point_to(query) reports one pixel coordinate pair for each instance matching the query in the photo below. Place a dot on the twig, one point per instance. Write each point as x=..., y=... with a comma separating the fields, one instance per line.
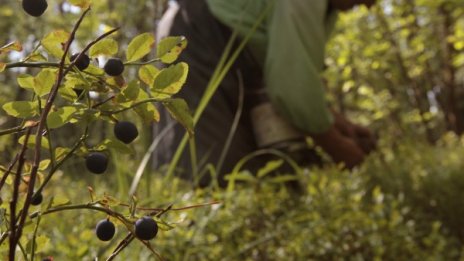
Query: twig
x=42, y=124
x=8, y=171
x=14, y=201
x=60, y=163
x=123, y=244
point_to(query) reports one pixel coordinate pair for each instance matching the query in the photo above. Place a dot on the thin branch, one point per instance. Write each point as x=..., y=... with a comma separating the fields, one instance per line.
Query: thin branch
x=14, y=201
x=123, y=244
x=60, y=163
x=32, y=65
x=42, y=124
x=8, y=171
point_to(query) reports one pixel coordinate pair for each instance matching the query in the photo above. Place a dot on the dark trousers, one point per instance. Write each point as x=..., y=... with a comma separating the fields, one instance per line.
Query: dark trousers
x=207, y=38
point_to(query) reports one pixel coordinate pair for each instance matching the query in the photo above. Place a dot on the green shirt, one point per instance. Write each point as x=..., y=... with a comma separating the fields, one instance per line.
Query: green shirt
x=291, y=47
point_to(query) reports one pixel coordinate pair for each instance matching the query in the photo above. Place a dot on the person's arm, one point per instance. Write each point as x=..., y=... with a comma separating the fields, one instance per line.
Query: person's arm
x=295, y=57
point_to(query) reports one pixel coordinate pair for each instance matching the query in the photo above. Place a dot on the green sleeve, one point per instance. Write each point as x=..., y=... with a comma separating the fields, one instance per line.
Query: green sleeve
x=297, y=34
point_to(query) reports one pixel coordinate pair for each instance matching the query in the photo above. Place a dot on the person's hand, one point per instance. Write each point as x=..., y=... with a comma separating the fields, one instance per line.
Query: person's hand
x=340, y=147
x=361, y=135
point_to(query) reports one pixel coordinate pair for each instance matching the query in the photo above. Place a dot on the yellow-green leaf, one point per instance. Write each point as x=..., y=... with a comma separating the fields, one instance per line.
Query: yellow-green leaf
x=148, y=73
x=140, y=46
x=54, y=41
x=170, y=80
x=147, y=111
x=104, y=47
x=43, y=82
x=179, y=110
x=21, y=109
x=60, y=117
x=2, y=66
x=169, y=48
x=26, y=81
x=31, y=142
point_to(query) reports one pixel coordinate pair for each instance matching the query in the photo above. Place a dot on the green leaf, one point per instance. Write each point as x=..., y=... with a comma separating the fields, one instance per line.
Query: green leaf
x=60, y=117
x=26, y=81
x=2, y=66
x=169, y=48
x=54, y=41
x=140, y=46
x=31, y=141
x=107, y=47
x=67, y=93
x=131, y=91
x=270, y=166
x=179, y=110
x=21, y=109
x=60, y=153
x=170, y=80
x=116, y=145
x=43, y=82
x=43, y=165
x=148, y=73
x=147, y=111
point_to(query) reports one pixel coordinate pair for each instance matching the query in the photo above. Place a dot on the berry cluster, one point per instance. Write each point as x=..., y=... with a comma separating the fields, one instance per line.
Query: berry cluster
x=145, y=228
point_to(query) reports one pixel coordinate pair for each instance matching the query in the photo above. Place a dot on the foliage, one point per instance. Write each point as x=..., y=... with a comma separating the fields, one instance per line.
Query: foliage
x=70, y=90
x=399, y=67
x=386, y=68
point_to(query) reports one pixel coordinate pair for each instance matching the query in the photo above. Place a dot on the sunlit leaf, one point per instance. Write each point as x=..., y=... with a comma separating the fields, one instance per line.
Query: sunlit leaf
x=169, y=48
x=104, y=47
x=54, y=41
x=170, y=80
x=148, y=73
x=140, y=46
x=60, y=117
x=31, y=142
x=116, y=145
x=21, y=109
x=26, y=81
x=43, y=82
